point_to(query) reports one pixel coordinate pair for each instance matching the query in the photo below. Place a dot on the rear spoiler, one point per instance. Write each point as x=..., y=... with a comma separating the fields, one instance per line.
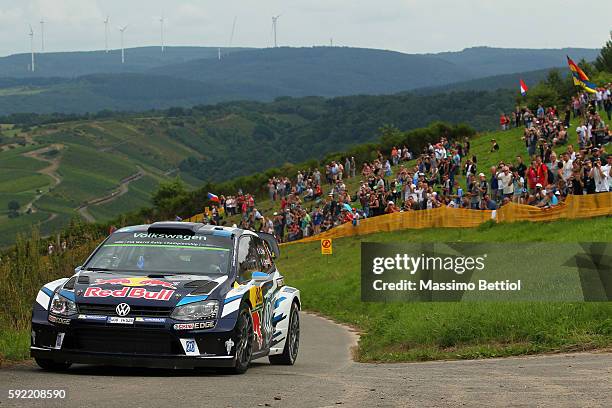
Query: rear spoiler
x=272, y=243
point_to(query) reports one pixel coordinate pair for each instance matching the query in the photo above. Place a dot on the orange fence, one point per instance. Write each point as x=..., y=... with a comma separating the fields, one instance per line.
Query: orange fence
x=584, y=206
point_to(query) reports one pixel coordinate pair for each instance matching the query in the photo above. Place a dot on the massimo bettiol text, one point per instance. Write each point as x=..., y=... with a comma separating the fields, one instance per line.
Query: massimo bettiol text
x=485, y=272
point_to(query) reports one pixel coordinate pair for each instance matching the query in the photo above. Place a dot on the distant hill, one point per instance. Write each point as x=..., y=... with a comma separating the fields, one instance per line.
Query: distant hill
x=320, y=71
x=77, y=63
x=185, y=76
x=488, y=61
x=506, y=81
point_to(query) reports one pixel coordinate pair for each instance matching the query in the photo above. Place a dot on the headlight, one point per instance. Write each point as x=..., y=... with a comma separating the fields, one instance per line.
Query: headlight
x=62, y=306
x=196, y=311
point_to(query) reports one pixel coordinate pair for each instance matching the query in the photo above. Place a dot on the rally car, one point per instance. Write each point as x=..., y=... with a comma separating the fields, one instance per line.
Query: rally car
x=170, y=295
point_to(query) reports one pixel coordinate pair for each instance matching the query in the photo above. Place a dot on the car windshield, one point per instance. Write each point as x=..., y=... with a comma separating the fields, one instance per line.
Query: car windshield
x=166, y=254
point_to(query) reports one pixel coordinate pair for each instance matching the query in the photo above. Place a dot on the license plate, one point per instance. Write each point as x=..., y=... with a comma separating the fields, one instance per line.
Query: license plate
x=121, y=320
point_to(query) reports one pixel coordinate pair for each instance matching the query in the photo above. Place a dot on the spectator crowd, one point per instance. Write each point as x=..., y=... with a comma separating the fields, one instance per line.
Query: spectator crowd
x=553, y=166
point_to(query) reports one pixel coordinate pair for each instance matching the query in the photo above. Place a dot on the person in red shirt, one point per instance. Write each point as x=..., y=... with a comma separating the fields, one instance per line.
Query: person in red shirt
x=532, y=177
x=346, y=216
x=542, y=171
x=502, y=121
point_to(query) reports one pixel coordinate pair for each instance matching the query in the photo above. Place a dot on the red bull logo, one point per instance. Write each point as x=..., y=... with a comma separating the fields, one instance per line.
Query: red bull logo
x=127, y=292
x=138, y=281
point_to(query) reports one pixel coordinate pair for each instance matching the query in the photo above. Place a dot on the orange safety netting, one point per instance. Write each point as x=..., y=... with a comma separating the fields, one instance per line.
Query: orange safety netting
x=584, y=206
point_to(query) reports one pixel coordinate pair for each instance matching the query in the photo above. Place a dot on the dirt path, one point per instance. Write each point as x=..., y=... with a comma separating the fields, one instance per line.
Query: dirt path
x=50, y=170
x=113, y=195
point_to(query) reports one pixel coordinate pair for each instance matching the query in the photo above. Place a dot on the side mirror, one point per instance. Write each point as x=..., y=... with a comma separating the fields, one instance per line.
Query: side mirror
x=78, y=269
x=259, y=276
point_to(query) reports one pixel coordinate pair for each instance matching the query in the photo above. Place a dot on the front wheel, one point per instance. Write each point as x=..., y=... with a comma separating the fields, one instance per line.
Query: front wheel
x=292, y=343
x=51, y=365
x=244, y=340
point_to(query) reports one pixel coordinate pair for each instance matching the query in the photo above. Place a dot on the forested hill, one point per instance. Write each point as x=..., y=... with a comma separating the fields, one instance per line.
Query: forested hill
x=186, y=76
x=106, y=164
x=78, y=63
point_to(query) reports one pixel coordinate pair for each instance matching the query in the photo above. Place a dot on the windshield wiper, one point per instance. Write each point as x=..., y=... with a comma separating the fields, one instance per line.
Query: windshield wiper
x=98, y=270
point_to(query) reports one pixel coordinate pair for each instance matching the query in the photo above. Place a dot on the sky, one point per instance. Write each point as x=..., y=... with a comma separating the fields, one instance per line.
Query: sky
x=411, y=26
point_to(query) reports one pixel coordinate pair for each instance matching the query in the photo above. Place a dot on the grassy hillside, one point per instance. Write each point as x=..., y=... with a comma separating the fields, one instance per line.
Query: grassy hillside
x=58, y=168
x=427, y=331
x=510, y=142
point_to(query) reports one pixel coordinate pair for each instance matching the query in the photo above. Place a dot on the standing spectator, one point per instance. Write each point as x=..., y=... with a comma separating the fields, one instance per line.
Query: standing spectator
x=505, y=180
x=520, y=166
x=601, y=175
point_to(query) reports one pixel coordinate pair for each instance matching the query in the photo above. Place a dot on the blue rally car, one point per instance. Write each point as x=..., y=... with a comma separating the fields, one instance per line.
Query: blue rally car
x=170, y=295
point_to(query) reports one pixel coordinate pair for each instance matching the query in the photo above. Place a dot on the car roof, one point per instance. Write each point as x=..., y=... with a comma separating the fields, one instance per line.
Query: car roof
x=187, y=228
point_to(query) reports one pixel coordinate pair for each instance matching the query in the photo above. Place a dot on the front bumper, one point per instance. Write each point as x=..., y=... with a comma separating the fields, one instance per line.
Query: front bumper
x=130, y=360
x=156, y=345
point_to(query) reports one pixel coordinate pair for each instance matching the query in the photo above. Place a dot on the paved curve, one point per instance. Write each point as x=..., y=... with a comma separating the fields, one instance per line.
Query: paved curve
x=324, y=375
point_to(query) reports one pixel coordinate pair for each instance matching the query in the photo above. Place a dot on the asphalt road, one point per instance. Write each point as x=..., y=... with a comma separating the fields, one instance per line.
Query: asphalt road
x=324, y=375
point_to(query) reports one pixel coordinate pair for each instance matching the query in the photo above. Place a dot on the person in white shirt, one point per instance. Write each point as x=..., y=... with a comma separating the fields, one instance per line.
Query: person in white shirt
x=505, y=184
x=607, y=170
x=581, y=131
x=568, y=166
x=601, y=175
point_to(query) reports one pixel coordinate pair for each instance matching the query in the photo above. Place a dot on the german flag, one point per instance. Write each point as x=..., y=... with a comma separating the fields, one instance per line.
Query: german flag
x=580, y=78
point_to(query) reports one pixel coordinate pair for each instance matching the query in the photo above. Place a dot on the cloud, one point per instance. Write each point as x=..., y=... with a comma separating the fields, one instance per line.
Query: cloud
x=403, y=25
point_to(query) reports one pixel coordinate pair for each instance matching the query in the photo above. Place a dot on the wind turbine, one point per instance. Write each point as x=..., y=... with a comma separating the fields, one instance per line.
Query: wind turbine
x=106, y=33
x=42, y=35
x=122, y=30
x=161, y=28
x=274, y=22
x=233, y=31
x=32, y=66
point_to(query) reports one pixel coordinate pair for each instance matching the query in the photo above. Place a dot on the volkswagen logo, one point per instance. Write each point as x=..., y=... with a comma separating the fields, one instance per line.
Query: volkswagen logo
x=122, y=309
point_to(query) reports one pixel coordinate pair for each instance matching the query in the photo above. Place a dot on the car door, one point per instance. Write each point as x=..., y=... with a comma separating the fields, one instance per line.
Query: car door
x=266, y=283
x=252, y=272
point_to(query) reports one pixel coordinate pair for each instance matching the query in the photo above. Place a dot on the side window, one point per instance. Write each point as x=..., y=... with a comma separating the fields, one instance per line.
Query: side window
x=265, y=257
x=248, y=259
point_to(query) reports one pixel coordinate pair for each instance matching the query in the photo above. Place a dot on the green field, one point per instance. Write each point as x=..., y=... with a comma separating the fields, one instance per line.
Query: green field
x=95, y=156
x=138, y=197
x=427, y=331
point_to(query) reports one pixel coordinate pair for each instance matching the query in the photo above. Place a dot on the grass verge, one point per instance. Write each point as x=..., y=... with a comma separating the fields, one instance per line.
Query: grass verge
x=429, y=331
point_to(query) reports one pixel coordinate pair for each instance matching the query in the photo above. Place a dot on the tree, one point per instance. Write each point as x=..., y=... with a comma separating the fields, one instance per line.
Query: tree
x=13, y=207
x=587, y=67
x=604, y=60
x=169, y=197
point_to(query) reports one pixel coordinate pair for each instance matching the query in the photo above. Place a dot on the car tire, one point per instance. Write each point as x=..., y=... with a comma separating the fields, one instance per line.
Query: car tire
x=51, y=365
x=244, y=340
x=292, y=344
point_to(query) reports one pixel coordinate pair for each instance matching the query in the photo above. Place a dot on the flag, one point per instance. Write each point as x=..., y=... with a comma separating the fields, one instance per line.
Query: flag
x=213, y=197
x=523, y=87
x=580, y=78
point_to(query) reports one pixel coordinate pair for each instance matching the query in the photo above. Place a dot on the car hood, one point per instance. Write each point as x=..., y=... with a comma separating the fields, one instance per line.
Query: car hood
x=145, y=290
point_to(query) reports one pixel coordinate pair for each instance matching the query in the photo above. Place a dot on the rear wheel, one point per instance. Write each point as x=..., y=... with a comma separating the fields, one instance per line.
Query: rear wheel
x=244, y=340
x=51, y=365
x=292, y=343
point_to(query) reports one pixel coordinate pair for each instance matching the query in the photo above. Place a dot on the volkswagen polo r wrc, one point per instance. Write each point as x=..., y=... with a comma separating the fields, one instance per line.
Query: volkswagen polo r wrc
x=170, y=295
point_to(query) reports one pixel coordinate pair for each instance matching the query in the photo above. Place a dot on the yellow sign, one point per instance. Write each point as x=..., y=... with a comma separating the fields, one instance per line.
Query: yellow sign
x=326, y=246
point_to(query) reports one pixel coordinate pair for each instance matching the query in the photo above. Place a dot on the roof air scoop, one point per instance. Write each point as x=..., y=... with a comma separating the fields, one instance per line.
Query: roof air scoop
x=174, y=228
